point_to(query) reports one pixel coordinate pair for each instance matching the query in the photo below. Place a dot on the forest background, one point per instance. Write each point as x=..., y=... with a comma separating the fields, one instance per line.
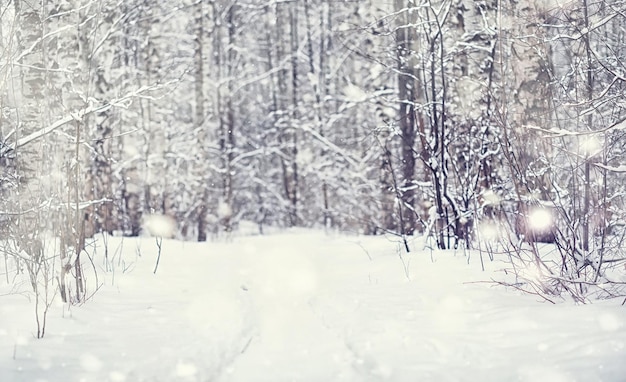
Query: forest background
x=450, y=118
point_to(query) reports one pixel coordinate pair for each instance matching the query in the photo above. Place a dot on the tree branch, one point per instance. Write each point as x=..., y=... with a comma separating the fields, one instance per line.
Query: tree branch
x=78, y=116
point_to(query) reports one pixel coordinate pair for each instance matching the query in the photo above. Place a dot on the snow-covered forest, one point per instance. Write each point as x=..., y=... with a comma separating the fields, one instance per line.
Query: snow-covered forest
x=365, y=116
x=453, y=119
x=493, y=130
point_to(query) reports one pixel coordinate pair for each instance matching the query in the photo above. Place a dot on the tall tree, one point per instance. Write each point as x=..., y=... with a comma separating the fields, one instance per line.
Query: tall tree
x=407, y=88
x=200, y=114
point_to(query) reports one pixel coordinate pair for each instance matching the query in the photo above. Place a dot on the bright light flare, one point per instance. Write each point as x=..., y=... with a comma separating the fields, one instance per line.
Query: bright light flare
x=540, y=220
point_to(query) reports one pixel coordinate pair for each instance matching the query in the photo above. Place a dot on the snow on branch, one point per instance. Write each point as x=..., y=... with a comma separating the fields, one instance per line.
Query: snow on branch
x=586, y=30
x=558, y=133
x=78, y=115
x=47, y=130
x=338, y=150
x=620, y=168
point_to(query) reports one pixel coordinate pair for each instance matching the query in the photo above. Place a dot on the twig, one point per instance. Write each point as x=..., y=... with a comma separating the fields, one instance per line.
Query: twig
x=405, y=265
x=245, y=347
x=159, y=241
x=364, y=250
x=517, y=287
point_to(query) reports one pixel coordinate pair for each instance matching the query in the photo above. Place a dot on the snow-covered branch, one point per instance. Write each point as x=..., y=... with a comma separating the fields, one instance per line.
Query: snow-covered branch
x=75, y=116
x=78, y=115
x=559, y=133
x=585, y=31
x=620, y=168
x=333, y=147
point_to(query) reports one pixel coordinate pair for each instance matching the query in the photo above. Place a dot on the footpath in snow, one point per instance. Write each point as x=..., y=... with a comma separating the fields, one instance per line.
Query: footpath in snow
x=307, y=306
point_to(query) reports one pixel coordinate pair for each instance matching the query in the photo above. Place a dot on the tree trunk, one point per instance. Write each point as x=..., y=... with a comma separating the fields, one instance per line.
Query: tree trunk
x=292, y=138
x=406, y=93
x=199, y=114
x=228, y=147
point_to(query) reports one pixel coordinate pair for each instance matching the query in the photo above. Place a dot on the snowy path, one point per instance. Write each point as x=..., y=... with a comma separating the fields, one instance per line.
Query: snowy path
x=310, y=307
x=290, y=342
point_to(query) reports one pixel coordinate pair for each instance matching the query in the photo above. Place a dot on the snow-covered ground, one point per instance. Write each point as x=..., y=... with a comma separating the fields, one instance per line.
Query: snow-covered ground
x=307, y=306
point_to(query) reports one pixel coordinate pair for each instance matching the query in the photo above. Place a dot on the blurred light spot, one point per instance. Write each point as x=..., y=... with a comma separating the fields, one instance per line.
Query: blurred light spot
x=185, y=369
x=160, y=225
x=540, y=219
x=116, y=376
x=89, y=362
x=590, y=145
x=488, y=231
x=609, y=322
